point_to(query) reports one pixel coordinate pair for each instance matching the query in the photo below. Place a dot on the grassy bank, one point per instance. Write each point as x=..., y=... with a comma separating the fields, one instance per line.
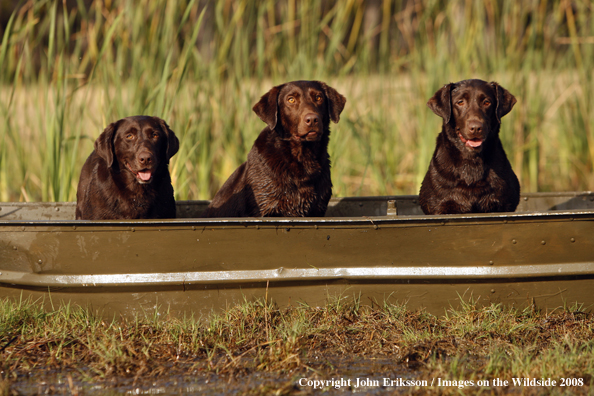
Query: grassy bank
x=470, y=344
x=65, y=73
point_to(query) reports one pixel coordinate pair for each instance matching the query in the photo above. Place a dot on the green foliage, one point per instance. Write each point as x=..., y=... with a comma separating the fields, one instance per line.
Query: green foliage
x=66, y=73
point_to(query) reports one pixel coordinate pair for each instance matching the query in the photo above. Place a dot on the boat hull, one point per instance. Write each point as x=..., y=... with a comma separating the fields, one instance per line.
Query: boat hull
x=372, y=250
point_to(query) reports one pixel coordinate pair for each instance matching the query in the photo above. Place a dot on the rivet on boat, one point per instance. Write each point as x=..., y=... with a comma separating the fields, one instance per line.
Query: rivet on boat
x=193, y=228
x=491, y=262
x=375, y=227
x=572, y=239
x=14, y=248
x=514, y=241
x=525, y=198
x=316, y=226
x=40, y=262
x=492, y=290
x=287, y=229
x=543, y=242
x=443, y=223
x=132, y=229
x=57, y=209
x=328, y=238
x=74, y=227
x=23, y=228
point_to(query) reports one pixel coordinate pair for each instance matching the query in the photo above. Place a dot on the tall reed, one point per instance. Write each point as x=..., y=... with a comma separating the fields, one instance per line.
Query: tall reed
x=67, y=72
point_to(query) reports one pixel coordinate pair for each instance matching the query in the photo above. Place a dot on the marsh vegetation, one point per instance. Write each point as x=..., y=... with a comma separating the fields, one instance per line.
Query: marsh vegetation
x=66, y=72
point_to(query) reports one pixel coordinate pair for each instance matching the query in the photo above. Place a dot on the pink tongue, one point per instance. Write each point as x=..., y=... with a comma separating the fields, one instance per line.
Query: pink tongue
x=144, y=176
x=474, y=143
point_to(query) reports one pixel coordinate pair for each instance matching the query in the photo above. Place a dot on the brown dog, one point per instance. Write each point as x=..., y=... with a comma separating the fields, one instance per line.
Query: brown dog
x=127, y=175
x=469, y=171
x=287, y=172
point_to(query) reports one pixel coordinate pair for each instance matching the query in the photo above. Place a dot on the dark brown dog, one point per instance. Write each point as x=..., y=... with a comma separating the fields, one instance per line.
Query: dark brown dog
x=469, y=171
x=127, y=175
x=287, y=172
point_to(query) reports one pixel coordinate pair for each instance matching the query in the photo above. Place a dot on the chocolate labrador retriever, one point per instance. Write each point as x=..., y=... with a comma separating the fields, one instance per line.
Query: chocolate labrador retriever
x=469, y=171
x=287, y=172
x=127, y=175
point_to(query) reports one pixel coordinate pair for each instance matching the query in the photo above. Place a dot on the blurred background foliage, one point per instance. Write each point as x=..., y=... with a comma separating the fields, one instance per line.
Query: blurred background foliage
x=69, y=68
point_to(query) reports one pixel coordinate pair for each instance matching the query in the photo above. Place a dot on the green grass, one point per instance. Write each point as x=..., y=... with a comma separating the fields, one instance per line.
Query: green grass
x=469, y=343
x=65, y=74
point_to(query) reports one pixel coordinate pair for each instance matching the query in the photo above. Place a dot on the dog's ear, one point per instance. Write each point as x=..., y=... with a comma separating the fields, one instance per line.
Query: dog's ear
x=336, y=101
x=441, y=102
x=172, y=140
x=267, y=107
x=505, y=101
x=104, y=143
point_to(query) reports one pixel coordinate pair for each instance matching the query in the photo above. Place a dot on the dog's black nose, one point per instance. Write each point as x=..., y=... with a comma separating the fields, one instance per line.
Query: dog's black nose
x=311, y=119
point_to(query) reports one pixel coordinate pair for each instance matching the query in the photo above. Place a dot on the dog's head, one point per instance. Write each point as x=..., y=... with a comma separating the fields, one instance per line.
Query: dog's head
x=139, y=145
x=472, y=109
x=300, y=110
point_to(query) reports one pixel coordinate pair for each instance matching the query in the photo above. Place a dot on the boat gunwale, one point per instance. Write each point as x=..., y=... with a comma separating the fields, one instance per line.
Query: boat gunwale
x=569, y=214
x=388, y=218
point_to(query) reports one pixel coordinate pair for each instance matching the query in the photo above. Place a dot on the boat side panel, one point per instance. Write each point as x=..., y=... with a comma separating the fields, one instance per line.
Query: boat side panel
x=184, y=248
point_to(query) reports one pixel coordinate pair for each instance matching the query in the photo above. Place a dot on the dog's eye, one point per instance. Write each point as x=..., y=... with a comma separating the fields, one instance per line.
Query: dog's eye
x=155, y=135
x=318, y=98
x=291, y=99
x=487, y=103
x=460, y=103
x=130, y=136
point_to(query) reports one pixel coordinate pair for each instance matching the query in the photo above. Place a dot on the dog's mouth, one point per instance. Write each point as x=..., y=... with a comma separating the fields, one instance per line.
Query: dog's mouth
x=143, y=176
x=312, y=135
x=472, y=143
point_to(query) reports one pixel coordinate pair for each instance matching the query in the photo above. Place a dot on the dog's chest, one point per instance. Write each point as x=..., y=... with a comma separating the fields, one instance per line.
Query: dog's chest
x=139, y=205
x=289, y=197
x=486, y=195
x=138, y=201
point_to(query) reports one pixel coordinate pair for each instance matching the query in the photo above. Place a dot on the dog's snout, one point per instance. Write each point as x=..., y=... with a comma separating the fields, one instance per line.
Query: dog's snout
x=312, y=119
x=145, y=158
x=475, y=127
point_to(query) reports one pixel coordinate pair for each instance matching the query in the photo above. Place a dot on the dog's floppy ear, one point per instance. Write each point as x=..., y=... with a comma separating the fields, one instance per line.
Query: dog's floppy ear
x=336, y=102
x=505, y=101
x=267, y=107
x=104, y=143
x=441, y=102
x=172, y=140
